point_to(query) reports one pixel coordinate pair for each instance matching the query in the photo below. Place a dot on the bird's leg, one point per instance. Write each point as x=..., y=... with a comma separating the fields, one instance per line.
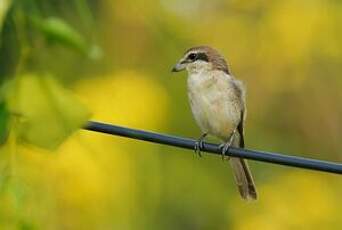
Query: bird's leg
x=199, y=144
x=225, y=146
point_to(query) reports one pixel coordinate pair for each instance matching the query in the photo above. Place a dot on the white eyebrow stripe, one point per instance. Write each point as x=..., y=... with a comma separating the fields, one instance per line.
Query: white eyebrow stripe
x=194, y=51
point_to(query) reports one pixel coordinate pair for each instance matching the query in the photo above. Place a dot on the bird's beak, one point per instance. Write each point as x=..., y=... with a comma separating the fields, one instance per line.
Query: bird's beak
x=179, y=67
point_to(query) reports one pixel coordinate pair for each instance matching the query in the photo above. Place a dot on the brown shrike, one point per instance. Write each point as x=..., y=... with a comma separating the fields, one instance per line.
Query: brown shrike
x=217, y=102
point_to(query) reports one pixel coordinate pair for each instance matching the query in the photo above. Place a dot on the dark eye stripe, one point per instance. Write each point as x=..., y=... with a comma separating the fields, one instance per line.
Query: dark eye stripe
x=192, y=56
x=197, y=56
x=202, y=56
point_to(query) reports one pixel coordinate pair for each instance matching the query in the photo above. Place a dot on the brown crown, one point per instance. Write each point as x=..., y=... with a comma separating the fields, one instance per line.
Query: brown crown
x=214, y=57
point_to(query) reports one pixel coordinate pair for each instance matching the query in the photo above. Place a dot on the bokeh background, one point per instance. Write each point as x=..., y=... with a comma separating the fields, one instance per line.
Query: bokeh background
x=63, y=62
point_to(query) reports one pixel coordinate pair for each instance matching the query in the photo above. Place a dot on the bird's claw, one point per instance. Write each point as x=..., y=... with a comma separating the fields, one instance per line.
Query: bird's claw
x=225, y=146
x=199, y=145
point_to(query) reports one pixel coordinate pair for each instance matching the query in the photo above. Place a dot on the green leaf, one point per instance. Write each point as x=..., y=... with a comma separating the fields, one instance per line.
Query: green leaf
x=4, y=120
x=10, y=50
x=4, y=6
x=58, y=31
x=47, y=113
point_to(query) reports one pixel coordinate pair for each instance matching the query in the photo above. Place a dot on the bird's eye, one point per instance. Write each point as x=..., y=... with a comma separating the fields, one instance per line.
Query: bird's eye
x=192, y=56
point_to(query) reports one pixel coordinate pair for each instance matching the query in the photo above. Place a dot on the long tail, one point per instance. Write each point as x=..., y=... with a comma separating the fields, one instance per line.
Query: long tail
x=243, y=178
x=242, y=174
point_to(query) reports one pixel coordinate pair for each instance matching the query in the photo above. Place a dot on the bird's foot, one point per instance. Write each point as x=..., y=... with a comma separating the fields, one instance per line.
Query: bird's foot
x=225, y=146
x=199, y=144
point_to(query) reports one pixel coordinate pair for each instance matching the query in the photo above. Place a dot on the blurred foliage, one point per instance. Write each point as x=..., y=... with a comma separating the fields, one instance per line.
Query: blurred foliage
x=4, y=118
x=4, y=5
x=34, y=101
x=56, y=30
x=288, y=53
x=39, y=102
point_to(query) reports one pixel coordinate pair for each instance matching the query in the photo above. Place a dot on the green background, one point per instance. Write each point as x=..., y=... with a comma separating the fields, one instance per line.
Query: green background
x=114, y=58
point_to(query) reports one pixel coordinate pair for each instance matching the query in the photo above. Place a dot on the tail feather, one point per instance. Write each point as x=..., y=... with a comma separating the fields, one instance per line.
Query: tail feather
x=242, y=174
x=243, y=178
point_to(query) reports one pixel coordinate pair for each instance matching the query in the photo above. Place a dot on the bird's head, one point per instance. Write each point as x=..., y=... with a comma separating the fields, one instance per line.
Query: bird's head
x=201, y=58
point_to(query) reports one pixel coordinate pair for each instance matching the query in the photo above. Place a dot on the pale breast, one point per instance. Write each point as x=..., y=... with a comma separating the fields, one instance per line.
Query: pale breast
x=214, y=103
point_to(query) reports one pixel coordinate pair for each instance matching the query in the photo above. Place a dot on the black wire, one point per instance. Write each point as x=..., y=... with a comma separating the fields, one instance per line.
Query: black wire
x=187, y=143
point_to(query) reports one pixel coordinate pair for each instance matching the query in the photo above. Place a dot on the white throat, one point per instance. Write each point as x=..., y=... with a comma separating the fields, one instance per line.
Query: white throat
x=199, y=67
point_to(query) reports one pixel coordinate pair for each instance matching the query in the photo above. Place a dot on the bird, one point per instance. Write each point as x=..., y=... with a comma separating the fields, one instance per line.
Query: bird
x=218, y=104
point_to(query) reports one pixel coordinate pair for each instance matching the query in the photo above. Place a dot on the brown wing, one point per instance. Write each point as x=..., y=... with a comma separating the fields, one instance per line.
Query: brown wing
x=240, y=129
x=239, y=90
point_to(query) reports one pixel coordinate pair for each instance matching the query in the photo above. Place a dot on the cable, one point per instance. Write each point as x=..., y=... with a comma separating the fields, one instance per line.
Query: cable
x=274, y=158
